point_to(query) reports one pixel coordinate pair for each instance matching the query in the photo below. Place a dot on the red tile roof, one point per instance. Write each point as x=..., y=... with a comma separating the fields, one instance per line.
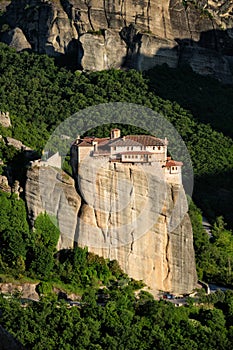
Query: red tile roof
x=123, y=142
x=85, y=143
x=129, y=140
x=170, y=163
x=146, y=140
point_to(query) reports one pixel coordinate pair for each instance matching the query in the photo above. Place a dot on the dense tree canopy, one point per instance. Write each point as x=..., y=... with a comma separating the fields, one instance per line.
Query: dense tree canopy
x=122, y=322
x=39, y=95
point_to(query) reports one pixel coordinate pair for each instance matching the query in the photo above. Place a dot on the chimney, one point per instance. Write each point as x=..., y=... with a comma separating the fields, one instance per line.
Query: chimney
x=115, y=133
x=95, y=144
x=77, y=139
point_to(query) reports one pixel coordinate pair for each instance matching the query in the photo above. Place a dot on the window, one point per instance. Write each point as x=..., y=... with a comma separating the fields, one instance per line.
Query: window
x=154, y=148
x=127, y=148
x=114, y=148
x=173, y=168
x=150, y=157
x=136, y=156
x=132, y=156
x=159, y=148
x=131, y=148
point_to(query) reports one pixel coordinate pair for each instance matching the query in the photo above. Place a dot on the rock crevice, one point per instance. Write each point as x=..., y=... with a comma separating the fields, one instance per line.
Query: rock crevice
x=201, y=31
x=146, y=229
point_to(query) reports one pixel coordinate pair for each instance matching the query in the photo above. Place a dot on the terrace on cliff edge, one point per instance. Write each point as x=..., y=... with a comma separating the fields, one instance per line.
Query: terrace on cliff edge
x=131, y=149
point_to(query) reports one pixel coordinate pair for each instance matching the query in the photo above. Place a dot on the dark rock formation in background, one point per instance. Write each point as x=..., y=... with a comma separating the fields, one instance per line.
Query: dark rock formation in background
x=136, y=33
x=16, y=39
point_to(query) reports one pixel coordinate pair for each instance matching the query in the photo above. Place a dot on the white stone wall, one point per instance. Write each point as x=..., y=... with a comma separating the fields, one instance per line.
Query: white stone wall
x=161, y=151
x=53, y=161
x=83, y=152
x=135, y=158
x=174, y=175
x=120, y=149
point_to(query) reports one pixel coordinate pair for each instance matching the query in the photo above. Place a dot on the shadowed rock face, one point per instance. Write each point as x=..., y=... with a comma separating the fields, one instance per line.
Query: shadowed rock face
x=8, y=342
x=16, y=39
x=124, y=213
x=136, y=33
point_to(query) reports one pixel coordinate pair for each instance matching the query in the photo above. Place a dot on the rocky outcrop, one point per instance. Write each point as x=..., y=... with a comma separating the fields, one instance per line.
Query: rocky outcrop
x=45, y=25
x=10, y=141
x=124, y=213
x=4, y=185
x=130, y=214
x=101, y=51
x=4, y=4
x=51, y=190
x=26, y=290
x=15, y=38
x=100, y=36
x=5, y=120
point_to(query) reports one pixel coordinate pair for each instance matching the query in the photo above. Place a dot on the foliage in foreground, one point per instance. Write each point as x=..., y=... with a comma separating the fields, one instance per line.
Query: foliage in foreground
x=214, y=255
x=32, y=253
x=121, y=322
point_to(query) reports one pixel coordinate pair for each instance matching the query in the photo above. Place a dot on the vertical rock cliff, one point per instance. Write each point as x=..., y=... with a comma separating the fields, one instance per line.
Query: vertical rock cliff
x=53, y=191
x=124, y=213
x=136, y=33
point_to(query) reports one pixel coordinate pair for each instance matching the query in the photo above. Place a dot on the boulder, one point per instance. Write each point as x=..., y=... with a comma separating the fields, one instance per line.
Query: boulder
x=15, y=38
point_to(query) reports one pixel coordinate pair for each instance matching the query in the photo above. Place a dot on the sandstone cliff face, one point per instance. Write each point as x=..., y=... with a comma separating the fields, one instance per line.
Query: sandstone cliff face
x=138, y=34
x=53, y=192
x=123, y=213
x=130, y=214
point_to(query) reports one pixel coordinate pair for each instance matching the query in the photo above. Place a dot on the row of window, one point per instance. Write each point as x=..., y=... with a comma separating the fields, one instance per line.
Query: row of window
x=131, y=148
x=173, y=168
x=135, y=156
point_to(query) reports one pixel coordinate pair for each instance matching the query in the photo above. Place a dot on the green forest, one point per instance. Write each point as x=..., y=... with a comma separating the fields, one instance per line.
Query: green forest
x=39, y=95
x=112, y=312
x=123, y=321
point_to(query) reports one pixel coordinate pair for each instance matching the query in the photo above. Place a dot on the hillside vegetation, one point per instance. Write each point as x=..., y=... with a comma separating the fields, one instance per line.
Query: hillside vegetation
x=110, y=314
x=39, y=96
x=122, y=321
